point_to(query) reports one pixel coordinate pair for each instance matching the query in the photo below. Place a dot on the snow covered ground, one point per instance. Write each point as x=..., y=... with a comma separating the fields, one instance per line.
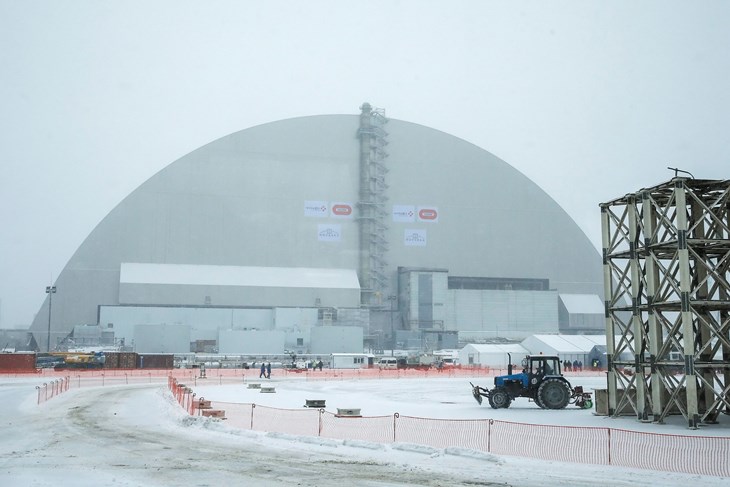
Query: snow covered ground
x=137, y=435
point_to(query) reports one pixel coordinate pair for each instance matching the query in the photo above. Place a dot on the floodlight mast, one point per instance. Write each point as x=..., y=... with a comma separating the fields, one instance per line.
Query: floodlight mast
x=50, y=290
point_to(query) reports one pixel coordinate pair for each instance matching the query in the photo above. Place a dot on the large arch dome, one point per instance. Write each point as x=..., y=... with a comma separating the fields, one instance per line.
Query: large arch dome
x=242, y=200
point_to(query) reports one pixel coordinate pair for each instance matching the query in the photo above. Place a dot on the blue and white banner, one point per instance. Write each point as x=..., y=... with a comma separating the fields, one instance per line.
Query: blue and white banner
x=329, y=232
x=414, y=238
x=404, y=213
x=317, y=209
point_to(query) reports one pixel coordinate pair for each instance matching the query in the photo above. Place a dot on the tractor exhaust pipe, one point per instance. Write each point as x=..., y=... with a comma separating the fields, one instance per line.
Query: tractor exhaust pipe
x=509, y=365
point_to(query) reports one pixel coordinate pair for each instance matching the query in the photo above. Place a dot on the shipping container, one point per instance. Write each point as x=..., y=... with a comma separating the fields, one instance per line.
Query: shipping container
x=155, y=361
x=17, y=362
x=121, y=360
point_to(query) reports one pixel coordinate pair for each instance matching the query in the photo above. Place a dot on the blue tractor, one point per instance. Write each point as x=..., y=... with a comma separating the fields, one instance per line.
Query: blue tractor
x=540, y=380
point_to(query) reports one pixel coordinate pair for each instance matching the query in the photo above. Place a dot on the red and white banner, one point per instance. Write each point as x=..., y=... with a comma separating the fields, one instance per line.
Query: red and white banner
x=429, y=214
x=341, y=209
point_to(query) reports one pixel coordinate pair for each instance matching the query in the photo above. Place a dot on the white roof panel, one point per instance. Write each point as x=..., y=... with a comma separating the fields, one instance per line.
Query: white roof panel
x=580, y=342
x=219, y=275
x=499, y=348
x=582, y=303
x=571, y=343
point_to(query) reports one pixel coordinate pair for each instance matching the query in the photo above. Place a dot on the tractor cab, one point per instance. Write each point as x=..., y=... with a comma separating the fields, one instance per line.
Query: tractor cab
x=537, y=367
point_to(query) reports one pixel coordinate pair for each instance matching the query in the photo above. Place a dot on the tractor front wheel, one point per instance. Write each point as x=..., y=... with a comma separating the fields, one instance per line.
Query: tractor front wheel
x=554, y=394
x=499, y=398
x=538, y=401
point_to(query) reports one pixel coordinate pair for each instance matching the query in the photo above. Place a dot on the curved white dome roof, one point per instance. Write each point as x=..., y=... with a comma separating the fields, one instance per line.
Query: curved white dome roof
x=240, y=201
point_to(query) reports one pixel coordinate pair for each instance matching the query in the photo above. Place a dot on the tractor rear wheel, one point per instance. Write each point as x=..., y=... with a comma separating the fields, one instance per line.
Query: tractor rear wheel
x=499, y=398
x=554, y=394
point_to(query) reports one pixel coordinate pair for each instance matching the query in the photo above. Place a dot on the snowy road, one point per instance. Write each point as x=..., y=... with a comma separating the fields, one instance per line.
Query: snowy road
x=138, y=436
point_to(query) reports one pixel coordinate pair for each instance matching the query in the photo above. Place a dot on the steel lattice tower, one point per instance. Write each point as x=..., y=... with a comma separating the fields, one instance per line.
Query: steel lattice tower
x=666, y=260
x=371, y=204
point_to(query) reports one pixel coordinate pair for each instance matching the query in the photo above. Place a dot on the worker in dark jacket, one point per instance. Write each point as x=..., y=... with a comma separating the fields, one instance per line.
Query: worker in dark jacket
x=268, y=370
x=263, y=370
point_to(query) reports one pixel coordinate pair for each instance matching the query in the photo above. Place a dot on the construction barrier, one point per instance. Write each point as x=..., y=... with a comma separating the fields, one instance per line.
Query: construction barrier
x=52, y=389
x=701, y=455
x=377, y=429
x=443, y=433
x=550, y=442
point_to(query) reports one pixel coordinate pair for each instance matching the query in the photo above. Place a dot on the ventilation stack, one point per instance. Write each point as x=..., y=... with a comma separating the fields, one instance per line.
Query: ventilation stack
x=371, y=205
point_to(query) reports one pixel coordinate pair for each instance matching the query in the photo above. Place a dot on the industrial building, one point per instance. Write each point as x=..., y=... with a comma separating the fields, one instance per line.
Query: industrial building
x=330, y=233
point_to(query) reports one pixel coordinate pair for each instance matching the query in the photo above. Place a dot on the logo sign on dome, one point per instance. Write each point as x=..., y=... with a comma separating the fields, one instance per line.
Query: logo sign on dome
x=317, y=209
x=404, y=213
x=329, y=232
x=414, y=238
x=341, y=210
x=428, y=214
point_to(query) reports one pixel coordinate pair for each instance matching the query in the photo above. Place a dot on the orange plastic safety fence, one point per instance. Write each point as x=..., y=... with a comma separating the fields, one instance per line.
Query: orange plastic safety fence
x=378, y=429
x=703, y=455
x=589, y=445
x=546, y=442
x=237, y=414
x=443, y=433
x=51, y=389
x=291, y=421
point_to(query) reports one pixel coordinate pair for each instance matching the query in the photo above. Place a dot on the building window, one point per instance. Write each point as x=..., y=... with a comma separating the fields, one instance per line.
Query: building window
x=300, y=342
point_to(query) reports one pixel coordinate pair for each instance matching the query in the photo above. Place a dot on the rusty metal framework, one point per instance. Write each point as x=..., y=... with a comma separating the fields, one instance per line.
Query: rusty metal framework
x=666, y=261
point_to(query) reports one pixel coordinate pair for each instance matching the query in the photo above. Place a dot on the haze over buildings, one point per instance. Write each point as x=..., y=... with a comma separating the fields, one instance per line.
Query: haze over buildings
x=588, y=100
x=403, y=234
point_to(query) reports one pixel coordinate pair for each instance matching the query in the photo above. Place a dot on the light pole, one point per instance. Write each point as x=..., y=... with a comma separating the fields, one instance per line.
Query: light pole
x=50, y=290
x=392, y=299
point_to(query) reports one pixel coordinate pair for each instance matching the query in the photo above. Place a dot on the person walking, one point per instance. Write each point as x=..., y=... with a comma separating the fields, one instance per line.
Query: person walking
x=268, y=370
x=263, y=370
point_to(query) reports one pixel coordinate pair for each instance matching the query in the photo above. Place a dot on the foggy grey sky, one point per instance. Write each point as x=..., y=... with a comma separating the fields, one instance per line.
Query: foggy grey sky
x=589, y=99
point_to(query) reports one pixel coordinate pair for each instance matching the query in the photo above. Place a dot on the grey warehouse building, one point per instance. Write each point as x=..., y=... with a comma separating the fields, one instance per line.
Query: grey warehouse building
x=375, y=227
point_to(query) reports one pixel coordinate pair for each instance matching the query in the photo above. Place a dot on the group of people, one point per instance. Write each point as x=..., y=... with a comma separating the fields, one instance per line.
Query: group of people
x=265, y=370
x=575, y=366
x=316, y=365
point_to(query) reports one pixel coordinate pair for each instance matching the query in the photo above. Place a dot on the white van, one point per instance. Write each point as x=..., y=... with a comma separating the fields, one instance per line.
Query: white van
x=388, y=363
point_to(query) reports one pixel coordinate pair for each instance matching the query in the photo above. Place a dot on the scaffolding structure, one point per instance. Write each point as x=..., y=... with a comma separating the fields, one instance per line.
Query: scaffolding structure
x=372, y=215
x=666, y=261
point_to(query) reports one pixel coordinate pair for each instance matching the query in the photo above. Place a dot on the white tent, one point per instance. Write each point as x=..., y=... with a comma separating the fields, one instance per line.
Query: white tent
x=491, y=355
x=567, y=347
